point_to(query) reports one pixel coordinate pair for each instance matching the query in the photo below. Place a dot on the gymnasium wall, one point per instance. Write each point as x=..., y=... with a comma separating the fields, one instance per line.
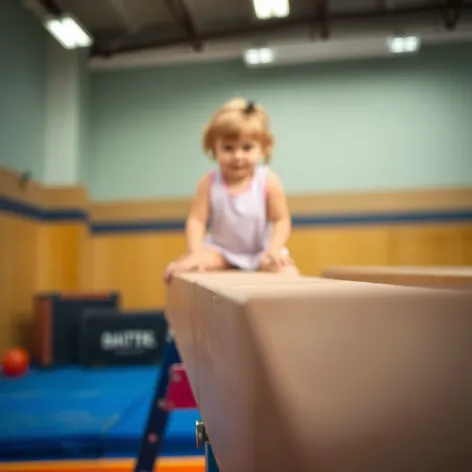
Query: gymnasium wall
x=57, y=238
x=67, y=108
x=370, y=125
x=43, y=237
x=84, y=118
x=375, y=156
x=22, y=89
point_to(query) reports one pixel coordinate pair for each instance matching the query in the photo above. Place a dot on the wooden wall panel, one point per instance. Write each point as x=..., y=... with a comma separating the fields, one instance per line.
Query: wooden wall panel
x=85, y=280
x=62, y=252
x=467, y=244
x=61, y=249
x=427, y=245
x=5, y=282
x=134, y=264
x=18, y=264
x=313, y=249
x=35, y=253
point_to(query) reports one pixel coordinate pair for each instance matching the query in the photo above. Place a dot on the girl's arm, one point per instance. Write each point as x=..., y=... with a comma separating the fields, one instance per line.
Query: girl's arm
x=278, y=213
x=195, y=226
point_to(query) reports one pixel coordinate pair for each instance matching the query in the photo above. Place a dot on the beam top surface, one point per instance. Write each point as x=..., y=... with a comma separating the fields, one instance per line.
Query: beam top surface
x=435, y=277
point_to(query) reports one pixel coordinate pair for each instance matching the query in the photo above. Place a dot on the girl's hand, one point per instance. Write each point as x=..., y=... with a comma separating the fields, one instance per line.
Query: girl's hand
x=273, y=260
x=190, y=262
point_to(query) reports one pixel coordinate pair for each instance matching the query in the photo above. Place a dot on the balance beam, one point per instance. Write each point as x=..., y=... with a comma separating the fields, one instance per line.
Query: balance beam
x=459, y=278
x=311, y=374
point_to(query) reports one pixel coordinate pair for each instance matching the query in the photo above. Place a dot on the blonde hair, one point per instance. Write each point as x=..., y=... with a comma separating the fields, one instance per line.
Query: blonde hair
x=236, y=118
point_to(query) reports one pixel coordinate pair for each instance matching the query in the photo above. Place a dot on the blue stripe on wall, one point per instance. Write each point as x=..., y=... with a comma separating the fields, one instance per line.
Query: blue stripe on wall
x=13, y=207
x=431, y=216
x=138, y=226
x=24, y=210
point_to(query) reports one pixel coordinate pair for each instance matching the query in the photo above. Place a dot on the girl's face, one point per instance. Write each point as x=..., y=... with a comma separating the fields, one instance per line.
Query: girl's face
x=238, y=157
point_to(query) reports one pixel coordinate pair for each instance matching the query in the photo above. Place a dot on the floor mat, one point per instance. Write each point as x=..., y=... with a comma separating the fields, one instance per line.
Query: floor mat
x=80, y=413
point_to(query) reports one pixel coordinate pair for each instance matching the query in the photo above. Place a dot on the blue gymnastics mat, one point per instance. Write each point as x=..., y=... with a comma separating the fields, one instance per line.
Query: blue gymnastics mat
x=77, y=413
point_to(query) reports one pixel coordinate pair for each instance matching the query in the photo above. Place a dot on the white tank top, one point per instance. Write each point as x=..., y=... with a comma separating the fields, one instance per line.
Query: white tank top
x=239, y=228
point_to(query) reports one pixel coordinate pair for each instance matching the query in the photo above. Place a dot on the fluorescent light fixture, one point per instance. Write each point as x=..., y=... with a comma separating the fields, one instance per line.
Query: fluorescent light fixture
x=266, y=9
x=254, y=57
x=68, y=32
x=402, y=45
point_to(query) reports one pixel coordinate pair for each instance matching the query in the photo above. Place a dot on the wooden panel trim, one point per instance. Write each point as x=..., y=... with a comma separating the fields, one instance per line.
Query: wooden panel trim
x=41, y=213
x=62, y=204
x=365, y=219
x=321, y=219
x=405, y=201
x=37, y=197
x=11, y=187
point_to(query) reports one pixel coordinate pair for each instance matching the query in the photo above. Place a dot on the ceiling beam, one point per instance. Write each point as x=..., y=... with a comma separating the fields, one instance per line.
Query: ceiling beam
x=387, y=5
x=51, y=7
x=323, y=15
x=128, y=23
x=452, y=13
x=280, y=24
x=182, y=16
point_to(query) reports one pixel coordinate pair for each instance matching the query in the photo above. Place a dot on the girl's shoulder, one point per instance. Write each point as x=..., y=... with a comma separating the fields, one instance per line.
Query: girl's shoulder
x=272, y=179
x=208, y=177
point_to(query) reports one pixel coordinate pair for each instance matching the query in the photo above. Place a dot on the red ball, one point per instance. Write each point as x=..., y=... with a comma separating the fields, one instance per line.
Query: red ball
x=15, y=362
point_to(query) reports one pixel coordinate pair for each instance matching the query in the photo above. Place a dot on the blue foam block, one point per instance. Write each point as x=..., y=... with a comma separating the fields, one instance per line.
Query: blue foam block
x=79, y=413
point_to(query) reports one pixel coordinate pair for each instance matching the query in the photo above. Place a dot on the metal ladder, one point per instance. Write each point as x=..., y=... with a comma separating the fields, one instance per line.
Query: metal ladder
x=172, y=392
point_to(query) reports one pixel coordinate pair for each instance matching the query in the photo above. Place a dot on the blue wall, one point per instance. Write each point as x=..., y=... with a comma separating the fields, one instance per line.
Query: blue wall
x=22, y=90
x=378, y=124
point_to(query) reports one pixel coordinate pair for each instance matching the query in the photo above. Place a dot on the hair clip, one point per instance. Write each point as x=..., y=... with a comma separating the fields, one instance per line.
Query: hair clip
x=250, y=107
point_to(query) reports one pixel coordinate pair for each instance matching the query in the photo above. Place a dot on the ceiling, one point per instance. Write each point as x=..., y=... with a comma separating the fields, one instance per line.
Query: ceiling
x=136, y=25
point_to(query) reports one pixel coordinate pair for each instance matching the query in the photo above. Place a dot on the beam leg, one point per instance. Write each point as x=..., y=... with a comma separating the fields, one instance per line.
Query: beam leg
x=158, y=414
x=210, y=461
x=203, y=441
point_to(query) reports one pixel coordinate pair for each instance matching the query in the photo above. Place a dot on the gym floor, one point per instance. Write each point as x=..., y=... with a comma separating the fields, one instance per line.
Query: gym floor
x=55, y=419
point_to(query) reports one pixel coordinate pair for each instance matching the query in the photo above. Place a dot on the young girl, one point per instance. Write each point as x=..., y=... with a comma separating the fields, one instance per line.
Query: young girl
x=243, y=199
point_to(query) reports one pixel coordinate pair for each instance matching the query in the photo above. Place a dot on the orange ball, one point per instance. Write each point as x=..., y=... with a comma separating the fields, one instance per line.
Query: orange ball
x=15, y=362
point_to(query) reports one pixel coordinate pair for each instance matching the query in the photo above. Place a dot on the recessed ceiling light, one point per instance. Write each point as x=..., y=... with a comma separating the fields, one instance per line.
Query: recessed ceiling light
x=403, y=44
x=254, y=57
x=68, y=32
x=266, y=9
